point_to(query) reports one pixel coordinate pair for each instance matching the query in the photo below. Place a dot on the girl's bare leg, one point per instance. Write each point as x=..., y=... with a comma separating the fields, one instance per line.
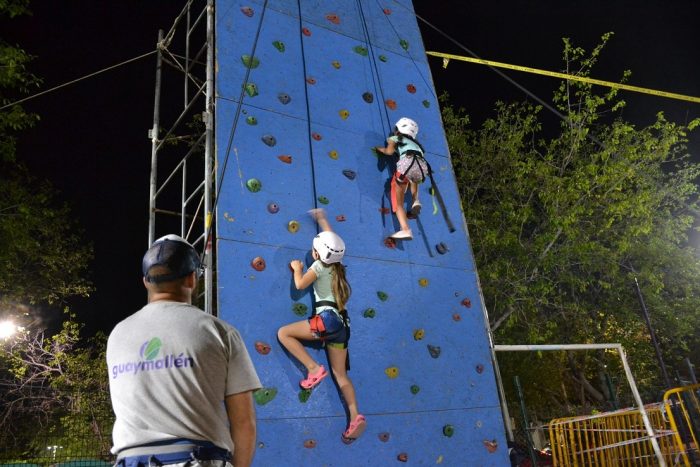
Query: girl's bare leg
x=291, y=335
x=337, y=358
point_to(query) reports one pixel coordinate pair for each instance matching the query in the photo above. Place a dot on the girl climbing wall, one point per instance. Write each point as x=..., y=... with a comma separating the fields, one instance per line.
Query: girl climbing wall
x=329, y=321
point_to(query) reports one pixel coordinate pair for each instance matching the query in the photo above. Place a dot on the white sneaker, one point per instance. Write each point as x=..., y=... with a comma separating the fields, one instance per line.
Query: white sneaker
x=415, y=208
x=402, y=235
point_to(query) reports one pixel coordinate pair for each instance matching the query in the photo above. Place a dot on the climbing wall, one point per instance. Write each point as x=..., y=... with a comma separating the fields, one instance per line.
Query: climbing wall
x=305, y=89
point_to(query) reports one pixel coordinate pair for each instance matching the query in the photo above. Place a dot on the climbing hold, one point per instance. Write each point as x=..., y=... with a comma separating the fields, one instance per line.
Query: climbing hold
x=273, y=208
x=261, y=445
x=384, y=210
x=391, y=104
x=269, y=140
x=248, y=11
x=426, y=104
x=383, y=296
x=258, y=263
x=306, y=31
x=284, y=98
x=441, y=248
x=340, y=218
x=457, y=317
x=310, y=443
x=323, y=200
x=264, y=395
x=293, y=226
x=440, y=459
x=423, y=282
x=383, y=58
x=344, y=114
x=390, y=243
x=448, y=430
x=434, y=350
x=479, y=423
x=311, y=80
x=228, y=217
x=466, y=302
x=419, y=334
x=263, y=348
x=279, y=45
x=286, y=158
x=350, y=174
x=384, y=436
x=360, y=50
x=299, y=309
x=333, y=154
x=404, y=44
x=411, y=88
x=253, y=185
x=316, y=136
x=250, y=61
x=403, y=457
x=368, y=97
x=304, y=395
x=479, y=368
x=251, y=89
x=491, y=446
x=336, y=64
x=369, y=313
x=392, y=372
x=250, y=120
x=333, y=18
x=415, y=389
x=387, y=11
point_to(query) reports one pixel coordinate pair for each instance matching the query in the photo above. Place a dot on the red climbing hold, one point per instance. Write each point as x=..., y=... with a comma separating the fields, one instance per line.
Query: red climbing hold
x=340, y=218
x=316, y=136
x=263, y=348
x=310, y=443
x=456, y=317
x=311, y=80
x=391, y=104
x=387, y=11
x=390, y=243
x=286, y=158
x=258, y=263
x=411, y=88
x=466, y=302
x=403, y=457
x=491, y=446
x=248, y=11
x=306, y=31
x=333, y=18
x=384, y=436
x=384, y=210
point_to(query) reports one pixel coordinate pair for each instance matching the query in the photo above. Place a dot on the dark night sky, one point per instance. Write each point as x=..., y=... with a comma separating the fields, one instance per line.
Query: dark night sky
x=92, y=140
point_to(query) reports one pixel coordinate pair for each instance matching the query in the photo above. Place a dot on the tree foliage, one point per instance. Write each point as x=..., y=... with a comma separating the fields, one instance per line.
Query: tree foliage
x=563, y=220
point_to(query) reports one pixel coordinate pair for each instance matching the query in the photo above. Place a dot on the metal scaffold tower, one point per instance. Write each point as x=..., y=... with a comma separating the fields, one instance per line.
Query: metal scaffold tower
x=182, y=153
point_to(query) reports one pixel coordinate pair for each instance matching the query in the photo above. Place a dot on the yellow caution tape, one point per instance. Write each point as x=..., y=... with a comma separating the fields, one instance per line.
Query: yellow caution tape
x=447, y=57
x=207, y=220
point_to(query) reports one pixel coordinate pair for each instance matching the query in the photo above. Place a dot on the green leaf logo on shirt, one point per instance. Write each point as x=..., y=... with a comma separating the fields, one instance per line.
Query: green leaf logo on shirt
x=150, y=349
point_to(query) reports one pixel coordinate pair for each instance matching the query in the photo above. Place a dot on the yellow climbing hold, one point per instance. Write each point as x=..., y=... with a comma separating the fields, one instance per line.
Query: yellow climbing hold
x=336, y=64
x=419, y=334
x=344, y=114
x=293, y=226
x=392, y=372
x=333, y=154
x=423, y=282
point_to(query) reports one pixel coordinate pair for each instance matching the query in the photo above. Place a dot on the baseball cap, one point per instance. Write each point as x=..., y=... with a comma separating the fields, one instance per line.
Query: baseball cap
x=176, y=257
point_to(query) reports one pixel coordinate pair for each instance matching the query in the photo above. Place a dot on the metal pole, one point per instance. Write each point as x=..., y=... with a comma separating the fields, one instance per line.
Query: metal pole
x=611, y=391
x=208, y=162
x=645, y=314
x=691, y=371
x=526, y=421
x=154, y=145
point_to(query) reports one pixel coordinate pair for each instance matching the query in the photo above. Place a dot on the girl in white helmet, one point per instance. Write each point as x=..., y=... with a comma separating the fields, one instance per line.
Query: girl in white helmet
x=329, y=321
x=411, y=169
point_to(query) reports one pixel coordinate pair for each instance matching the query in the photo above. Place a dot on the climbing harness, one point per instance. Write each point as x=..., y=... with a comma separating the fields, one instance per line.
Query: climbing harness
x=318, y=324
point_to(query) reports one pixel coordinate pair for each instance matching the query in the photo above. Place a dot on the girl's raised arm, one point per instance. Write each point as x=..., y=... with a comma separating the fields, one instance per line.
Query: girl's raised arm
x=319, y=216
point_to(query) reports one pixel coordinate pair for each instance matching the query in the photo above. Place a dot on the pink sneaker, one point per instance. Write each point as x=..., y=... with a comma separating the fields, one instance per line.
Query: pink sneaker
x=355, y=430
x=312, y=379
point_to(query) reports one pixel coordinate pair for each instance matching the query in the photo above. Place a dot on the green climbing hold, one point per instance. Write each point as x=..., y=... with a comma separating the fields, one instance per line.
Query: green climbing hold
x=264, y=395
x=304, y=395
x=415, y=389
x=448, y=430
x=251, y=89
x=253, y=185
x=369, y=313
x=382, y=296
x=360, y=50
x=323, y=200
x=299, y=309
x=383, y=58
x=279, y=45
x=426, y=104
x=250, y=61
x=404, y=44
x=250, y=120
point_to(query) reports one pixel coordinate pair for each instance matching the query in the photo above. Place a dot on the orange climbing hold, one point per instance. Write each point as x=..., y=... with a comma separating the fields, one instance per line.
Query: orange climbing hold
x=306, y=31
x=387, y=11
x=287, y=159
x=333, y=18
x=491, y=446
x=311, y=80
x=316, y=136
x=258, y=263
x=310, y=443
x=411, y=88
x=391, y=104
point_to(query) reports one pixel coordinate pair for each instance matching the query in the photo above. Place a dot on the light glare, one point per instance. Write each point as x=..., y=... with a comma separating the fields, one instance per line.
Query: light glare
x=7, y=328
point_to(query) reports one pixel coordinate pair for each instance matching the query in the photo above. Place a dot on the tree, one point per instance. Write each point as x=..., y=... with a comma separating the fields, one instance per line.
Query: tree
x=561, y=225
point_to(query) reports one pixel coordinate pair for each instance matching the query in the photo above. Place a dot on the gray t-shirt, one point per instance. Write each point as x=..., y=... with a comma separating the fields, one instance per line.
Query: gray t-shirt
x=170, y=367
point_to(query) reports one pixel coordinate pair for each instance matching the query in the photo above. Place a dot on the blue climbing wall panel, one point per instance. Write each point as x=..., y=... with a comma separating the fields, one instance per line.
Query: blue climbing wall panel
x=304, y=89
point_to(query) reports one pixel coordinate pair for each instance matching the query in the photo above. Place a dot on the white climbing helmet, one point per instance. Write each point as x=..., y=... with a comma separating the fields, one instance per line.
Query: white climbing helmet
x=330, y=247
x=407, y=126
